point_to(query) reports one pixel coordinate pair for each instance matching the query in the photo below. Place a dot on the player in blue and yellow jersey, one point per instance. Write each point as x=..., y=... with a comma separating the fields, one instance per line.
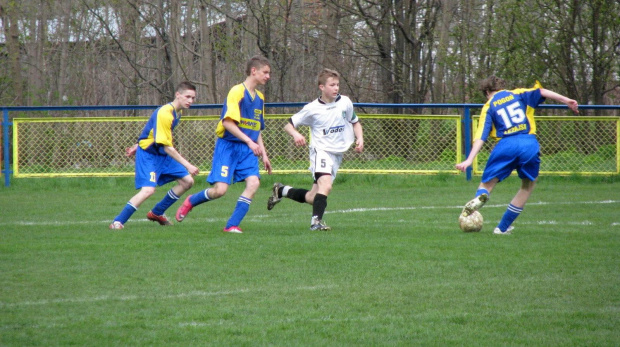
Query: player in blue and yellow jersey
x=158, y=162
x=238, y=146
x=508, y=115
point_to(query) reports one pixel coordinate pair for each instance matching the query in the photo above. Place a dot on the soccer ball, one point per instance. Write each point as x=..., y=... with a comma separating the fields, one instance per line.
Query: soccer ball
x=471, y=223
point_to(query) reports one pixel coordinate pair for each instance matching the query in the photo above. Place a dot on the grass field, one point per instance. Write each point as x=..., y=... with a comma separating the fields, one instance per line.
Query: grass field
x=395, y=270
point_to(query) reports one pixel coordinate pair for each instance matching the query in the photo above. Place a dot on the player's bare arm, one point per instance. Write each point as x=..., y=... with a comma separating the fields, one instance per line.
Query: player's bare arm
x=359, y=137
x=174, y=154
x=298, y=138
x=233, y=128
x=265, y=157
x=475, y=148
x=572, y=104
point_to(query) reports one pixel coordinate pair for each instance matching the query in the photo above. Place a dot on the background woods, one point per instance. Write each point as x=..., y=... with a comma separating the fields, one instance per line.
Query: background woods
x=115, y=52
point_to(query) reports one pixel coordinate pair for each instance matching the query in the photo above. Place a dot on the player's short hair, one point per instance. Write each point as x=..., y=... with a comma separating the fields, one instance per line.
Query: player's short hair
x=325, y=74
x=256, y=62
x=492, y=84
x=185, y=85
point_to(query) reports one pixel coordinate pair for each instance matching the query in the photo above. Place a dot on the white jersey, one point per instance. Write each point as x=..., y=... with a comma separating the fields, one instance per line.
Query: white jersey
x=331, y=124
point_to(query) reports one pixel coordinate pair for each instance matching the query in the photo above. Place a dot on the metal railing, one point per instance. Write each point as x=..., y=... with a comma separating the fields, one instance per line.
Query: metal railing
x=463, y=136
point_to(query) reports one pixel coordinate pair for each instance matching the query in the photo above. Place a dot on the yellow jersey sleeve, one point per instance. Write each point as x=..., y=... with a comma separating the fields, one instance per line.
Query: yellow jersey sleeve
x=233, y=99
x=163, y=133
x=483, y=117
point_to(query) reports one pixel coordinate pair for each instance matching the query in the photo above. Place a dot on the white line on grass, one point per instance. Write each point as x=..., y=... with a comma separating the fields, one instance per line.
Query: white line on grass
x=77, y=222
x=353, y=210
x=461, y=206
x=192, y=294
x=330, y=319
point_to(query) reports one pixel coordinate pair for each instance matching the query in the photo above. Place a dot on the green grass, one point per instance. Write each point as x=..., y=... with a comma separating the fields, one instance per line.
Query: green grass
x=395, y=270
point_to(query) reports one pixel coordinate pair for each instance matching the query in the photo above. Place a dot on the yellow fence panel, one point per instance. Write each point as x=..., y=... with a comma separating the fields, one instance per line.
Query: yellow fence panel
x=396, y=144
x=88, y=146
x=571, y=145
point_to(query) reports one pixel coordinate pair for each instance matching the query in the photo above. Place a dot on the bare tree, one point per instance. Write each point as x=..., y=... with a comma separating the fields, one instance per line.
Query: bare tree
x=9, y=12
x=134, y=52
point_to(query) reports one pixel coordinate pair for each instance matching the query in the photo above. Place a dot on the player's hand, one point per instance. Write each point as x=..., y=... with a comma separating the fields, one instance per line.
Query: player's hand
x=359, y=145
x=193, y=170
x=299, y=140
x=255, y=148
x=573, y=105
x=463, y=166
x=267, y=164
x=131, y=151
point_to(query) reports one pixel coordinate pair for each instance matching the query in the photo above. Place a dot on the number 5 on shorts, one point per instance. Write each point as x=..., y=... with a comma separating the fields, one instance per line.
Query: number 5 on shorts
x=322, y=162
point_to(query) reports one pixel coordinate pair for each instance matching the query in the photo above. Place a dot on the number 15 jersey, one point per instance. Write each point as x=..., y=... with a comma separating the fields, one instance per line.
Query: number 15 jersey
x=509, y=112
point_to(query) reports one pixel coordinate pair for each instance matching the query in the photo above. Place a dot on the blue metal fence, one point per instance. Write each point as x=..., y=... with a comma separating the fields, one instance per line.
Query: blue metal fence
x=466, y=119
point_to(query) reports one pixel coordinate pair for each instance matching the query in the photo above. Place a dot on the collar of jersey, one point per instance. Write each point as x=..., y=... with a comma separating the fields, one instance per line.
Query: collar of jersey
x=246, y=88
x=323, y=102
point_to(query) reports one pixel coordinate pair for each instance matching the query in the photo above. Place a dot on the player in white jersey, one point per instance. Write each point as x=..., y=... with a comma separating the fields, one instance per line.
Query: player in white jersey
x=334, y=127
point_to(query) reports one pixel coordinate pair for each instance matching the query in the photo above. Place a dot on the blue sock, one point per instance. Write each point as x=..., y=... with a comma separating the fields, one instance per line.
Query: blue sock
x=200, y=198
x=166, y=202
x=126, y=213
x=512, y=212
x=481, y=191
x=242, y=207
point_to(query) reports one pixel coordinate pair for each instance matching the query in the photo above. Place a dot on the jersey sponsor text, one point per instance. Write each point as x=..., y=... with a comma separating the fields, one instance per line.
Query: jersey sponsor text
x=248, y=124
x=333, y=130
x=503, y=100
x=516, y=128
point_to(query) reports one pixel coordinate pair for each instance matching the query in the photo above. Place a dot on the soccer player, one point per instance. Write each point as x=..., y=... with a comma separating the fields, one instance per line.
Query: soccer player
x=509, y=116
x=158, y=162
x=334, y=126
x=238, y=146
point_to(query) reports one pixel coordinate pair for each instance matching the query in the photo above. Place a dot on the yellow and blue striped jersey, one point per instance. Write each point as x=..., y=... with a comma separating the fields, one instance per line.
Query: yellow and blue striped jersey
x=157, y=132
x=509, y=112
x=245, y=110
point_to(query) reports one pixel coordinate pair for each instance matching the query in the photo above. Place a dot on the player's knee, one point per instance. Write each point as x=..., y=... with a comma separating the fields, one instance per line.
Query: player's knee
x=325, y=186
x=217, y=191
x=527, y=184
x=148, y=191
x=252, y=183
x=324, y=191
x=187, y=182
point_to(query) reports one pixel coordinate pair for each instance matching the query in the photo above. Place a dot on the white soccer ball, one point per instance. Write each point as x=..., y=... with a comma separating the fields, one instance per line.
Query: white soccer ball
x=471, y=223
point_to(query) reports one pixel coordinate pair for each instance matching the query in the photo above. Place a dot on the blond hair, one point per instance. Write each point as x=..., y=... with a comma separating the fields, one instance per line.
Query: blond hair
x=325, y=74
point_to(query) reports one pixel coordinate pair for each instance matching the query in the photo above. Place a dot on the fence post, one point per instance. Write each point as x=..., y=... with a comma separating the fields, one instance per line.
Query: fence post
x=5, y=146
x=618, y=146
x=467, y=138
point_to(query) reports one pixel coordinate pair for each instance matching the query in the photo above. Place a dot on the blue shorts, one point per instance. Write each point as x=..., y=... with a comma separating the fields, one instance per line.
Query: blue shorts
x=232, y=162
x=520, y=152
x=156, y=170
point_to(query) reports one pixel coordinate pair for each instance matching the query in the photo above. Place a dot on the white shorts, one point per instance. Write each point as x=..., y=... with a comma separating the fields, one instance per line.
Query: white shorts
x=324, y=162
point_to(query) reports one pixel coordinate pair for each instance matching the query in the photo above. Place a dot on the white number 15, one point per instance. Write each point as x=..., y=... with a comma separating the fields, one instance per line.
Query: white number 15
x=514, y=111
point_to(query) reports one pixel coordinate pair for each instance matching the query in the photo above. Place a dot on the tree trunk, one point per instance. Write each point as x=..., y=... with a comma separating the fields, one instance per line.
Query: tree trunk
x=9, y=14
